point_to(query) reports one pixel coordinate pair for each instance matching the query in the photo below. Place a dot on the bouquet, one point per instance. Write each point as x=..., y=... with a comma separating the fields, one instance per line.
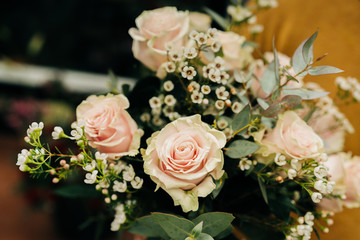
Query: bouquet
x=215, y=141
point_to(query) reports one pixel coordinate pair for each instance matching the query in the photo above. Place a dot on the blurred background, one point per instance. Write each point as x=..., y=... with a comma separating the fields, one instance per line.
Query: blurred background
x=53, y=54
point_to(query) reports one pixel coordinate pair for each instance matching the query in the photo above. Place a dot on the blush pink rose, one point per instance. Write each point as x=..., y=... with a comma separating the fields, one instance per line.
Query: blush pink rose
x=183, y=158
x=292, y=137
x=259, y=69
x=155, y=29
x=236, y=56
x=108, y=126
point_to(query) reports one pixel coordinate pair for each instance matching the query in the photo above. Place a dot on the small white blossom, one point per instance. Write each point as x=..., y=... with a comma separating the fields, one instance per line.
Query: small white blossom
x=238, y=13
x=309, y=218
x=205, y=89
x=168, y=86
x=257, y=28
x=320, y=172
x=228, y=132
x=236, y=107
x=193, y=86
x=201, y=38
x=155, y=102
x=35, y=127
x=295, y=164
x=292, y=173
x=101, y=156
x=280, y=159
x=245, y=164
x=91, y=166
x=77, y=133
x=57, y=132
x=316, y=197
x=219, y=104
x=120, y=217
x=190, y=53
x=170, y=100
x=137, y=183
x=156, y=111
x=119, y=166
x=128, y=173
x=119, y=186
x=215, y=46
x=193, y=34
x=219, y=63
x=90, y=178
x=188, y=73
x=175, y=56
x=103, y=184
x=221, y=93
x=222, y=123
x=21, y=160
x=145, y=117
x=196, y=97
x=174, y=115
x=320, y=185
x=214, y=75
x=170, y=67
x=212, y=33
x=157, y=121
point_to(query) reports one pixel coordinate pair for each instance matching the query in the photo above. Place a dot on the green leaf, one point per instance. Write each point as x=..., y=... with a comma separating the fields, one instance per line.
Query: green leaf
x=291, y=100
x=204, y=236
x=147, y=226
x=268, y=79
x=214, y=222
x=297, y=59
x=263, y=189
x=223, y=23
x=264, y=105
x=125, y=89
x=273, y=110
x=303, y=93
x=77, y=191
x=241, y=148
x=322, y=70
x=225, y=233
x=281, y=206
x=307, y=50
x=196, y=231
x=241, y=119
x=177, y=228
x=276, y=64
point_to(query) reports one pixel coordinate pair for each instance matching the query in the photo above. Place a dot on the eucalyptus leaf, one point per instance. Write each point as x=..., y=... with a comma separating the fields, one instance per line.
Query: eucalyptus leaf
x=196, y=231
x=307, y=50
x=273, y=110
x=263, y=189
x=241, y=148
x=204, y=236
x=223, y=23
x=291, y=100
x=297, y=59
x=219, y=185
x=225, y=233
x=147, y=226
x=241, y=119
x=268, y=79
x=262, y=103
x=276, y=64
x=177, y=228
x=214, y=223
x=322, y=70
x=303, y=93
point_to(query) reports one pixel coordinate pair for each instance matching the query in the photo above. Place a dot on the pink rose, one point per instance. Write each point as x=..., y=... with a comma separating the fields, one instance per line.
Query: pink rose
x=235, y=55
x=156, y=29
x=259, y=69
x=199, y=21
x=292, y=137
x=108, y=126
x=183, y=158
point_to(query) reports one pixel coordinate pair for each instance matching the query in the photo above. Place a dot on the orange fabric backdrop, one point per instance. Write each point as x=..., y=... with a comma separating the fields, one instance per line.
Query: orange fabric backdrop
x=338, y=22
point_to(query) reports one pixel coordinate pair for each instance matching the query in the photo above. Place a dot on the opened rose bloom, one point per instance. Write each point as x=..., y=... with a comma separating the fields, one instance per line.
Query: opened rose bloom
x=184, y=158
x=292, y=137
x=157, y=29
x=108, y=126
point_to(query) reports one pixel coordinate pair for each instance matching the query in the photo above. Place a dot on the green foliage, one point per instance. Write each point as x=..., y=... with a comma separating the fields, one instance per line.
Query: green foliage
x=263, y=189
x=241, y=148
x=223, y=22
x=322, y=70
x=303, y=54
x=303, y=93
x=268, y=79
x=291, y=101
x=273, y=110
x=167, y=226
x=241, y=119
